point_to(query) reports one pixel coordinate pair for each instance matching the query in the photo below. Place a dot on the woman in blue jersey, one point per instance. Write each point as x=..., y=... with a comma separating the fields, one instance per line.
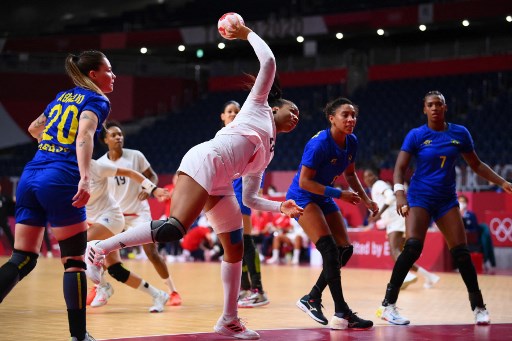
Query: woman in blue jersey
x=327, y=155
x=243, y=148
x=54, y=186
x=431, y=196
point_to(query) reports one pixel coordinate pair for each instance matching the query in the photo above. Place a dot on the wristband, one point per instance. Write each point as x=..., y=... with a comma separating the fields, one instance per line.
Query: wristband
x=148, y=186
x=398, y=187
x=332, y=192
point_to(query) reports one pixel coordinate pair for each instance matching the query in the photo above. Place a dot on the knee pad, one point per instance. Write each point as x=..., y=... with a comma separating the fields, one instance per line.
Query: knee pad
x=345, y=254
x=169, y=230
x=24, y=261
x=73, y=246
x=73, y=263
x=119, y=272
x=461, y=254
x=225, y=216
x=330, y=256
x=412, y=250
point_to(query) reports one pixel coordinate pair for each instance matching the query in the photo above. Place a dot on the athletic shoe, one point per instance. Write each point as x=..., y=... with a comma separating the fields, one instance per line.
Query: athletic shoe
x=91, y=295
x=87, y=338
x=243, y=294
x=349, y=320
x=312, y=307
x=103, y=293
x=481, y=316
x=175, y=299
x=409, y=279
x=256, y=299
x=430, y=280
x=235, y=328
x=159, y=302
x=272, y=261
x=390, y=314
x=94, y=258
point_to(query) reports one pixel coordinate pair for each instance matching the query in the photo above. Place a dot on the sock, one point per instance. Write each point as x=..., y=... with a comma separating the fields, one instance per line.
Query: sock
x=148, y=288
x=230, y=274
x=423, y=272
x=170, y=284
x=135, y=236
x=245, y=284
x=296, y=255
x=252, y=260
x=75, y=293
x=275, y=254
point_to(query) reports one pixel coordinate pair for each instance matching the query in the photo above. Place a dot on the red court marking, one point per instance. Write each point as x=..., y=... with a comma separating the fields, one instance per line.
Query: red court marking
x=380, y=333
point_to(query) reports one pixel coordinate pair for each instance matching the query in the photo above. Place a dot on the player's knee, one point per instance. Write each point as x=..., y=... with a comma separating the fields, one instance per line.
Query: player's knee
x=169, y=230
x=24, y=261
x=412, y=249
x=330, y=256
x=345, y=254
x=119, y=272
x=461, y=254
x=73, y=246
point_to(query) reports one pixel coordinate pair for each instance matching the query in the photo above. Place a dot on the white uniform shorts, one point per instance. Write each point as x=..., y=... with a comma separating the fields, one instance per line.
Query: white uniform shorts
x=396, y=225
x=134, y=220
x=112, y=219
x=213, y=164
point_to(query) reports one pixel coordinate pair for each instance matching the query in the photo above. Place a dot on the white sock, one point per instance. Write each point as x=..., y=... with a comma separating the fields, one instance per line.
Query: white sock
x=137, y=235
x=423, y=272
x=170, y=284
x=148, y=288
x=296, y=255
x=103, y=280
x=231, y=274
x=275, y=254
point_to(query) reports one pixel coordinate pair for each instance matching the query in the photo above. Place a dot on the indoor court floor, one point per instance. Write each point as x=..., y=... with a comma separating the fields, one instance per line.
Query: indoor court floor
x=35, y=309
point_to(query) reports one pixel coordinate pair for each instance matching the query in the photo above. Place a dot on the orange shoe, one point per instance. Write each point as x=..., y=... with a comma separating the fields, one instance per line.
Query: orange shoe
x=175, y=299
x=91, y=295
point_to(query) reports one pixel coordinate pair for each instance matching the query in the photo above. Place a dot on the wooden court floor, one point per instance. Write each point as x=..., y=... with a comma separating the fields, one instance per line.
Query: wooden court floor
x=35, y=309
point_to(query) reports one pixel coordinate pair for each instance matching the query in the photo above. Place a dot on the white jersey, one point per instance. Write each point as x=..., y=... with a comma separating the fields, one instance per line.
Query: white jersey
x=255, y=120
x=100, y=200
x=383, y=194
x=123, y=189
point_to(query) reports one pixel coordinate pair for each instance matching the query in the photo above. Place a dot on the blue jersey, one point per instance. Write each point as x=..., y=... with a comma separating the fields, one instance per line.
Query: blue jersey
x=436, y=153
x=59, y=136
x=328, y=160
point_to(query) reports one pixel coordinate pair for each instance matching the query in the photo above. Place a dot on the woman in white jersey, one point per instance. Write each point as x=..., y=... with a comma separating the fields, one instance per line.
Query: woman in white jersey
x=243, y=148
x=105, y=219
x=131, y=199
x=383, y=195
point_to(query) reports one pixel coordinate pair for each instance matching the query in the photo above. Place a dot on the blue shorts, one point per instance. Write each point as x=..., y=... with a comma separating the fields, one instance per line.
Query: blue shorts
x=244, y=209
x=45, y=196
x=436, y=207
x=326, y=204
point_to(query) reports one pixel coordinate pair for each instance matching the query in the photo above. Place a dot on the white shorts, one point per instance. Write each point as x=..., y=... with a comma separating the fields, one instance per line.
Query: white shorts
x=293, y=234
x=112, y=219
x=140, y=218
x=212, y=164
x=396, y=225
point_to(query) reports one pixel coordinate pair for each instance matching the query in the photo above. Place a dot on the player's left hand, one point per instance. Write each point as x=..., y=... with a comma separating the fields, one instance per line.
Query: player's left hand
x=82, y=195
x=373, y=207
x=507, y=187
x=161, y=194
x=143, y=196
x=291, y=209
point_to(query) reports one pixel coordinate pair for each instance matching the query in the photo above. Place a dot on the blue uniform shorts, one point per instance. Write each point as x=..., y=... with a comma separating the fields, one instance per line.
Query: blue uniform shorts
x=45, y=196
x=436, y=207
x=244, y=209
x=326, y=204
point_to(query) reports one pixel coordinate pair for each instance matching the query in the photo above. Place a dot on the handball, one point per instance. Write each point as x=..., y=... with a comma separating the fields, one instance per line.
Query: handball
x=227, y=22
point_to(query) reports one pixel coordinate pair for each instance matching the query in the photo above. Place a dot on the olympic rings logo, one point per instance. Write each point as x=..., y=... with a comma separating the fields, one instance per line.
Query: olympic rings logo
x=501, y=228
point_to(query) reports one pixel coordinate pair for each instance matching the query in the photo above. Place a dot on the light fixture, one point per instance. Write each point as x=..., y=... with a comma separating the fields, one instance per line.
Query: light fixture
x=221, y=46
x=509, y=18
x=199, y=53
x=300, y=39
x=380, y=32
x=422, y=28
x=465, y=23
x=181, y=48
x=339, y=35
x=143, y=50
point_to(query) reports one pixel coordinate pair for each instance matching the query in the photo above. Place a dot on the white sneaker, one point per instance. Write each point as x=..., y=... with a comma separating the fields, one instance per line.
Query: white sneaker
x=94, y=258
x=272, y=261
x=409, y=279
x=481, y=316
x=255, y=299
x=103, y=293
x=159, y=302
x=243, y=294
x=390, y=314
x=430, y=280
x=87, y=338
x=235, y=328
